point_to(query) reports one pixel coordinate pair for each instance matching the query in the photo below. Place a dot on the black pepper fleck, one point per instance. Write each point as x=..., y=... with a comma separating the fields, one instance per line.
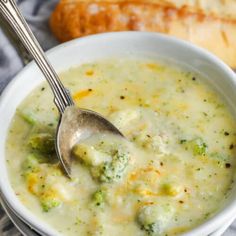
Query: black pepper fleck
x=227, y=165
x=183, y=141
x=122, y=97
x=226, y=133
x=231, y=146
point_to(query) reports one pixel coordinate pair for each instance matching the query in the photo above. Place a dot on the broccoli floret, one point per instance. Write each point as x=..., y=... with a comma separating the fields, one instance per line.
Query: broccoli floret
x=41, y=182
x=113, y=170
x=30, y=163
x=98, y=197
x=149, y=228
x=197, y=146
x=155, y=218
x=33, y=160
x=42, y=142
x=49, y=203
x=106, y=161
x=48, y=197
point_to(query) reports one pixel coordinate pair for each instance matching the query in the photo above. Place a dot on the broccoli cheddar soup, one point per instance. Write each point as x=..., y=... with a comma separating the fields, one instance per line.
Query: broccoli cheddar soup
x=173, y=171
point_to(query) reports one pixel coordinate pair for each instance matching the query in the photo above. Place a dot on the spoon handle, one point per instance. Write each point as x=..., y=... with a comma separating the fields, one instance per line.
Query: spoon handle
x=11, y=13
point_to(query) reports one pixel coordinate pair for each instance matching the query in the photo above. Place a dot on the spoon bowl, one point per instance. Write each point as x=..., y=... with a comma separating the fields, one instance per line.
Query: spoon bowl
x=75, y=126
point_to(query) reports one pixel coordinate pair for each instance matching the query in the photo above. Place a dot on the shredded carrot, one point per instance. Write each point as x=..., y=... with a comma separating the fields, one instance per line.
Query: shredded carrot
x=81, y=94
x=32, y=180
x=142, y=204
x=146, y=203
x=151, y=168
x=89, y=72
x=145, y=192
x=49, y=193
x=135, y=175
x=154, y=66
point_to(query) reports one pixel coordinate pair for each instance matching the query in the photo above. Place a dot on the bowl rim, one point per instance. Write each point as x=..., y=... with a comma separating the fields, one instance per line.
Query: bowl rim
x=27, y=216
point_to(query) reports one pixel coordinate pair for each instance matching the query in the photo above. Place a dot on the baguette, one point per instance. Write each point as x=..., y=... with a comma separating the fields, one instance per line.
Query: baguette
x=210, y=24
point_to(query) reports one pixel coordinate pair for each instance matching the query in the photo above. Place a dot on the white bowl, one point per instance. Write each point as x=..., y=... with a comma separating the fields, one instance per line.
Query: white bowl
x=124, y=44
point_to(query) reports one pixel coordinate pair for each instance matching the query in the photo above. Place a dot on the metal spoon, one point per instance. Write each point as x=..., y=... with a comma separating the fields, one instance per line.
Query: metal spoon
x=75, y=124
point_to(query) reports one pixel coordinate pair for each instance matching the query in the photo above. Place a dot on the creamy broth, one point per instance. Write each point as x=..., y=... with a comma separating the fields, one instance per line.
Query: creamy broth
x=172, y=173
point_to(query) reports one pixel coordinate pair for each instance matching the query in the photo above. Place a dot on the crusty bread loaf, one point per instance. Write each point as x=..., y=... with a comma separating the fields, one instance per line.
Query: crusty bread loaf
x=207, y=23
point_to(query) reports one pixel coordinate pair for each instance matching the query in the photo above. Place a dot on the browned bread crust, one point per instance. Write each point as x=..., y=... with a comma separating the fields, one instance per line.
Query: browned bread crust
x=213, y=28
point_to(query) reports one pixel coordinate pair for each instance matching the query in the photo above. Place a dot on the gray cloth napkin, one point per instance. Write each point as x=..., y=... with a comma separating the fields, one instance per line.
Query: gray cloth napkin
x=36, y=13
